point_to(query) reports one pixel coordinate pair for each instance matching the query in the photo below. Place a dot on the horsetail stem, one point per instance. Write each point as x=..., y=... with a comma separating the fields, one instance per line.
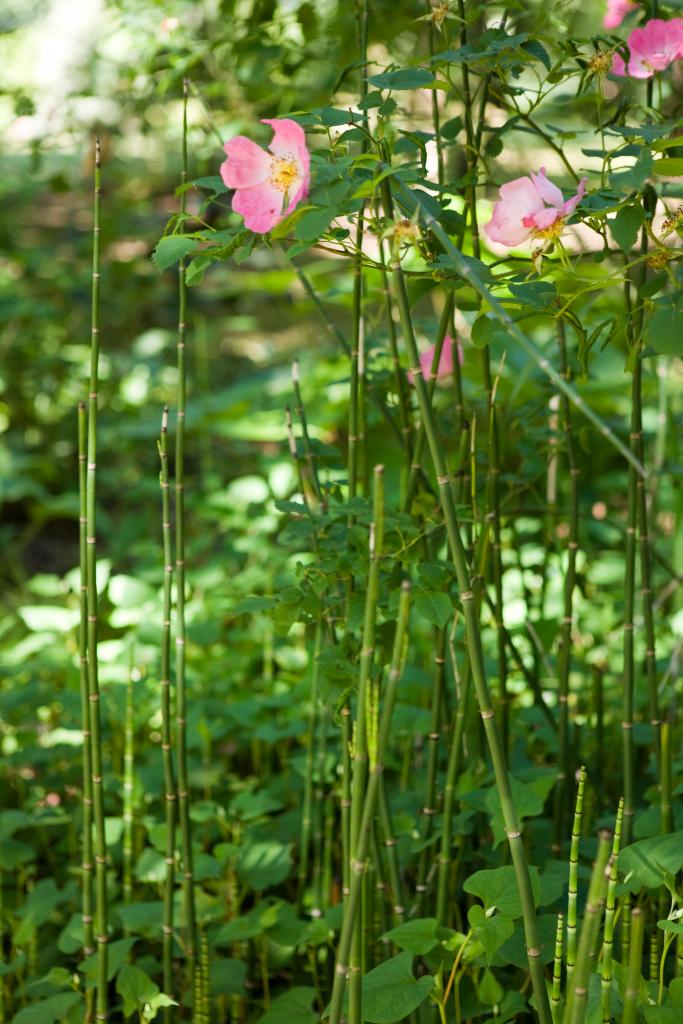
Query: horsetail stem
x=170, y=795
x=555, y=998
x=389, y=840
x=564, y=668
x=87, y=863
x=473, y=638
x=577, y=985
x=180, y=632
x=610, y=908
x=574, y=878
x=306, y=818
x=100, y=845
x=358, y=866
x=429, y=808
x=362, y=731
x=666, y=805
x=308, y=448
x=128, y=786
x=633, y=973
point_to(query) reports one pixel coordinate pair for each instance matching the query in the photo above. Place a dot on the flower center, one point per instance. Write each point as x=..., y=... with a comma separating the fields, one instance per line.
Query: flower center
x=553, y=230
x=283, y=173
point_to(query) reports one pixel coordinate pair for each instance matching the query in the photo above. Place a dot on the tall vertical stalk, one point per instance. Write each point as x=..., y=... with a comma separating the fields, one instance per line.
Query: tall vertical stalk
x=630, y=1011
x=100, y=846
x=608, y=938
x=170, y=796
x=555, y=999
x=361, y=726
x=428, y=808
x=180, y=637
x=564, y=760
x=473, y=639
x=628, y=750
x=577, y=990
x=573, y=892
x=87, y=863
x=376, y=766
x=128, y=787
x=306, y=817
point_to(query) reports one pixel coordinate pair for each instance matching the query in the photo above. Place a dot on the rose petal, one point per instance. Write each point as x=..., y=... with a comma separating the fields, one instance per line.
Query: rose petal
x=247, y=163
x=260, y=205
x=548, y=192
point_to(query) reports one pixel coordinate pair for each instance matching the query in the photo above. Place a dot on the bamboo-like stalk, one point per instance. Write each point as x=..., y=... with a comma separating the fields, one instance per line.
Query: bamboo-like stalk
x=556, y=996
x=577, y=989
x=345, y=801
x=665, y=799
x=628, y=750
x=100, y=844
x=87, y=861
x=473, y=638
x=608, y=936
x=128, y=785
x=306, y=817
x=361, y=730
x=428, y=808
x=170, y=794
x=389, y=840
x=452, y=773
x=308, y=448
x=574, y=878
x=633, y=974
x=358, y=866
x=564, y=667
x=180, y=633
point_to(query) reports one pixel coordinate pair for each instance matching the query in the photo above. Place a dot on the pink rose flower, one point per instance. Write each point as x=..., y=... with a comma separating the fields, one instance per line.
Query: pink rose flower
x=531, y=207
x=652, y=48
x=445, y=368
x=268, y=185
x=616, y=12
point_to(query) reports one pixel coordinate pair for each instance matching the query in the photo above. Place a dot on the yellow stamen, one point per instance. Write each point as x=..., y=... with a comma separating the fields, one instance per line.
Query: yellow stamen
x=283, y=173
x=552, y=232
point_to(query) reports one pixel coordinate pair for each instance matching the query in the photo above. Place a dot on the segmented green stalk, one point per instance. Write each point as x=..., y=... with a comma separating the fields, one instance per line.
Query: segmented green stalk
x=87, y=864
x=574, y=878
x=473, y=638
x=180, y=634
x=629, y=599
x=555, y=999
x=625, y=932
x=100, y=846
x=345, y=802
x=361, y=732
x=306, y=818
x=170, y=796
x=429, y=809
x=665, y=804
x=376, y=767
x=308, y=448
x=564, y=667
x=389, y=840
x=633, y=974
x=646, y=573
x=452, y=774
x=608, y=939
x=577, y=986
x=128, y=784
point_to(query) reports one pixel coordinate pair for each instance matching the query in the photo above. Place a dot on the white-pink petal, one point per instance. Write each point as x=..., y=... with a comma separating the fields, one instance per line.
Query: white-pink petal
x=247, y=163
x=260, y=205
x=548, y=192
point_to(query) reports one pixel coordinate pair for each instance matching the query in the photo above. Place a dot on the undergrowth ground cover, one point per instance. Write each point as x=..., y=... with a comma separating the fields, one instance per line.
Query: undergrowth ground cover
x=340, y=474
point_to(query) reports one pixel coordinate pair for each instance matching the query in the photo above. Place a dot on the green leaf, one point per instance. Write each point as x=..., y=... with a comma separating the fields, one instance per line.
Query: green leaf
x=537, y=294
x=646, y=863
x=117, y=954
x=142, y=918
x=14, y=853
x=227, y=976
x=391, y=993
x=636, y=176
x=261, y=865
x=491, y=931
x=669, y=165
x=625, y=226
x=136, y=988
x=497, y=888
x=419, y=936
x=293, y=1007
x=403, y=78
x=171, y=249
x=48, y=1011
x=314, y=223
x=434, y=607
x=664, y=326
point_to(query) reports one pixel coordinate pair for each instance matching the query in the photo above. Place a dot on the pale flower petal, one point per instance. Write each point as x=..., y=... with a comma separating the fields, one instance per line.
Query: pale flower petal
x=548, y=192
x=247, y=163
x=261, y=207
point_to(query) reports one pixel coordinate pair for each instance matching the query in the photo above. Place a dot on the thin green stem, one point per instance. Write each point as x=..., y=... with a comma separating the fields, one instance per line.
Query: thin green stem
x=100, y=846
x=555, y=998
x=473, y=639
x=610, y=910
x=577, y=988
x=633, y=974
x=180, y=632
x=574, y=878
x=87, y=862
x=170, y=793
